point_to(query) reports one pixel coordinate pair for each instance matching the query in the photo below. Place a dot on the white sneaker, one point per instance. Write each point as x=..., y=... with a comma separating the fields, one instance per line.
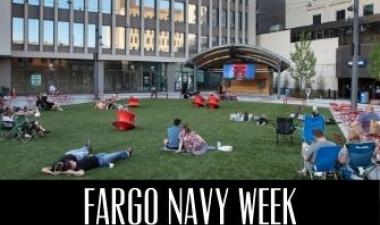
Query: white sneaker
x=111, y=165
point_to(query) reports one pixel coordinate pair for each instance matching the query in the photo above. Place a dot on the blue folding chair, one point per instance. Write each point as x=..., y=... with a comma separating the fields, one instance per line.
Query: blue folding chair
x=360, y=156
x=325, y=161
x=311, y=124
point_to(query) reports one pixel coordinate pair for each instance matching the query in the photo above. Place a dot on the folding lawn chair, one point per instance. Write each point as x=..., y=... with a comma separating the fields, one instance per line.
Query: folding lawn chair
x=311, y=124
x=20, y=127
x=285, y=128
x=360, y=156
x=325, y=162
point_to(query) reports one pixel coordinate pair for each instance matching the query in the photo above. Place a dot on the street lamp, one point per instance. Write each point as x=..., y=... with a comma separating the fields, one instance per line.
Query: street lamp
x=98, y=44
x=355, y=58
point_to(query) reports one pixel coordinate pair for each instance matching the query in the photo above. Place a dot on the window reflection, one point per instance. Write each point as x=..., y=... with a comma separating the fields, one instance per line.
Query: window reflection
x=149, y=9
x=33, y=32
x=134, y=39
x=106, y=36
x=79, y=5
x=204, y=15
x=106, y=6
x=17, y=30
x=164, y=10
x=179, y=12
x=179, y=42
x=120, y=7
x=49, y=3
x=120, y=38
x=48, y=36
x=192, y=42
x=63, y=4
x=78, y=34
x=204, y=42
x=149, y=36
x=164, y=41
x=134, y=8
x=215, y=17
x=63, y=33
x=192, y=14
x=91, y=33
x=224, y=19
x=92, y=5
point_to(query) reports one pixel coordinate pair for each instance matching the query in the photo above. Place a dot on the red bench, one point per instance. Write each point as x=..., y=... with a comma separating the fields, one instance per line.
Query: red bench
x=125, y=121
x=133, y=102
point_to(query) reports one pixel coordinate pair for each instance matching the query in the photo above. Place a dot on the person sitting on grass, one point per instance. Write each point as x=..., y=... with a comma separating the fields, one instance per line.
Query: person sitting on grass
x=191, y=142
x=298, y=114
x=47, y=105
x=79, y=168
x=74, y=155
x=172, y=140
x=368, y=116
x=309, y=152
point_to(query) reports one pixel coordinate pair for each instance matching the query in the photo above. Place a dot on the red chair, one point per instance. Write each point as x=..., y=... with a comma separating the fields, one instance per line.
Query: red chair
x=133, y=102
x=198, y=101
x=125, y=121
x=213, y=101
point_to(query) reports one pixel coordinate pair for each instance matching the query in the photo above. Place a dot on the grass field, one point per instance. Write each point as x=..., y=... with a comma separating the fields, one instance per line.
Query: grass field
x=255, y=156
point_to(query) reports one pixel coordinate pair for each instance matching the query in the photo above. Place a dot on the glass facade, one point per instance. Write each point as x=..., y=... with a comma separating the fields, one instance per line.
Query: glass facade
x=134, y=39
x=120, y=7
x=48, y=34
x=192, y=43
x=17, y=30
x=192, y=14
x=34, y=2
x=92, y=5
x=33, y=32
x=204, y=15
x=63, y=4
x=215, y=17
x=164, y=10
x=63, y=33
x=179, y=42
x=134, y=8
x=164, y=41
x=149, y=9
x=78, y=35
x=120, y=38
x=91, y=33
x=179, y=12
x=106, y=36
x=78, y=5
x=106, y=6
x=49, y=3
x=150, y=40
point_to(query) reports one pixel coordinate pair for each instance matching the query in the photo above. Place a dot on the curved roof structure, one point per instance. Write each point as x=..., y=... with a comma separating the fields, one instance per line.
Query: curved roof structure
x=215, y=58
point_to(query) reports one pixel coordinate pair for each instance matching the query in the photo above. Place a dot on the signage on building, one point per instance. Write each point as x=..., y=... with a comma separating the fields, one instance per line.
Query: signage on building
x=362, y=62
x=36, y=79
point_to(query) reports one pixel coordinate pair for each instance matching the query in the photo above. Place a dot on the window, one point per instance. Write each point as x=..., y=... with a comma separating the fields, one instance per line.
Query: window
x=91, y=35
x=49, y=3
x=92, y=5
x=134, y=39
x=164, y=41
x=120, y=38
x=232, y=19
x=224, y=40
x=204, y=15
x=63, y=4
x=179, y=12
x=149, y=9
x=106, y=36
x=164, y=10
x=215, y=17
x=134, y=8
x=149, y=36
x=17, y=30
x=18, y=1
x=34, y=2
x=317, y=19
x=48, y=35
x=224, y=19
x=120, y=7
x=179, y=42
x=78, y=35
x=240, y=21
x=192, y=42
x=215, y=41
x=204, y=42
x=341, y=15
x=33, y=32
x=192, y=11
x=63, y=33
x=106, y=6
x=368, y=10
x=79, y=5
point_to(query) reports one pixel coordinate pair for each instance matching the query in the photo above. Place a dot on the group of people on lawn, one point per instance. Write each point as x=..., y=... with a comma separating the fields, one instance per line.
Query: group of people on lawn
x=355, y=133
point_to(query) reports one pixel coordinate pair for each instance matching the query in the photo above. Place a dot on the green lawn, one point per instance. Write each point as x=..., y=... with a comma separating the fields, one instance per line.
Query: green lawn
x=256, y=155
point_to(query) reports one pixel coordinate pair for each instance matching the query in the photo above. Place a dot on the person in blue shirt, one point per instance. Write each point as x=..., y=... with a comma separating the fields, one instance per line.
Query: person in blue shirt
x=172, y=140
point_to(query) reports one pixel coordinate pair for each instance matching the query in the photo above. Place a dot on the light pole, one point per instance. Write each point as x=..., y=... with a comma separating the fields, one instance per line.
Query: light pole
x=355, y=58
x=98, y=38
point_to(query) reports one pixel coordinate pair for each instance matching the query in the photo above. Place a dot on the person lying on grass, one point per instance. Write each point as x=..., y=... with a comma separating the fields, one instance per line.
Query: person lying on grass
x=74, y=155
x=79, y=168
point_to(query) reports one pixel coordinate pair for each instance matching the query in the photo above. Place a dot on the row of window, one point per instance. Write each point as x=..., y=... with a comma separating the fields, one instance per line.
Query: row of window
x=341, y=14
x=148, y=10
x=63, y=36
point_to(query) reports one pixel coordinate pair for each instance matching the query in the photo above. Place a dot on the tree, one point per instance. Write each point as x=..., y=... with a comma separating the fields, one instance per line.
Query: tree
x=374, y=62
x=304, y=61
